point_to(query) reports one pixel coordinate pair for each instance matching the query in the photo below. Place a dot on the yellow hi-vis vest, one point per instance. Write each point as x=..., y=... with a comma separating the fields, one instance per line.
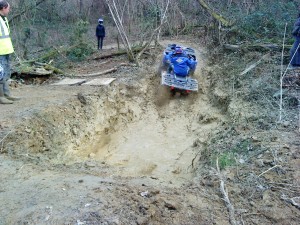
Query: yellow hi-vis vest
x=6, y=46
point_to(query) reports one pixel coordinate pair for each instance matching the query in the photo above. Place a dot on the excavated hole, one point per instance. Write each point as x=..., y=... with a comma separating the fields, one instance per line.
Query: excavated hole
x=147, y=135
x=132, y=131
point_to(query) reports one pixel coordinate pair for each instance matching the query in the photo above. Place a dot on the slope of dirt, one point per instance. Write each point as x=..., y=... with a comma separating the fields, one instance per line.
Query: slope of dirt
x=123, y=154
x=109, y=155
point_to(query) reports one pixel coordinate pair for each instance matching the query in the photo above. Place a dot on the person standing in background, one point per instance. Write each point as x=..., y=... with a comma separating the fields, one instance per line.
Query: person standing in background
x=6, y=48
x=295, y=50
x=100, y=33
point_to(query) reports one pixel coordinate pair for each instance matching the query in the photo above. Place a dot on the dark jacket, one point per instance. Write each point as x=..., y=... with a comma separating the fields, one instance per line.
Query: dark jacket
x=100, y=30
x=296, y=28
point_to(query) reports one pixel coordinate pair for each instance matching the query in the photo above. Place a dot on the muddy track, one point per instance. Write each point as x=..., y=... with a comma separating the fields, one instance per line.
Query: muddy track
x=114, y=155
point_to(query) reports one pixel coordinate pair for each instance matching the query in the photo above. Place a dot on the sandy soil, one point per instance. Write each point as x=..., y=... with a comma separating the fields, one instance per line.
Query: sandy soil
x=122, y=154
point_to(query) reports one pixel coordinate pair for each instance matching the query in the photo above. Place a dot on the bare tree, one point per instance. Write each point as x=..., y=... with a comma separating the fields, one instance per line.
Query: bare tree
x=114, y=10
x=155, y=32
x=117, y=16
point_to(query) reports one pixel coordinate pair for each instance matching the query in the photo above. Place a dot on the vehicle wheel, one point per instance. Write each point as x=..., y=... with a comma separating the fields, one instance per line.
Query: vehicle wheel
x=173, y=92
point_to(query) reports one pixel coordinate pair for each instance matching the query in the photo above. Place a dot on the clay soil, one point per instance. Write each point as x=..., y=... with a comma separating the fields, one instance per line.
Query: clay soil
x=130, y=153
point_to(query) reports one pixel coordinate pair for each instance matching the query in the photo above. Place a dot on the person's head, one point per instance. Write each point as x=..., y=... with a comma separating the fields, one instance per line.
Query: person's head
x=173, y=46
x=178, y=50
x=4, y=8
x=100, y=20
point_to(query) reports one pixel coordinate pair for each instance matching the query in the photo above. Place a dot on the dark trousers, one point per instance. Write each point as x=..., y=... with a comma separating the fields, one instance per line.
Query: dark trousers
x=100, y=42
x=296, y=60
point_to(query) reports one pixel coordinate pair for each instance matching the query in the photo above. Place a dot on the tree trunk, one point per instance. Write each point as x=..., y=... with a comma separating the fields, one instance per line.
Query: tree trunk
x=80, y=7
x=119, y=24
x=216, y=16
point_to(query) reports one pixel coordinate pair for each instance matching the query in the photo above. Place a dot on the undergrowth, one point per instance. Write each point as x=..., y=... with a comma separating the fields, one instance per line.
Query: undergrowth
x=252, y=88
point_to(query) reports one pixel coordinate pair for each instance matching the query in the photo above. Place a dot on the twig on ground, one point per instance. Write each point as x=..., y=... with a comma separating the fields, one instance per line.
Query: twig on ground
x=269, y=170
x=3, y=140
x=284, y=184
x=27, y=155
x=23, y=166
x=228, y=204
x=194, y=160
x=5, y=136
x=252, y=214
x=286, y=189
x=252, y=66
x=294, y=201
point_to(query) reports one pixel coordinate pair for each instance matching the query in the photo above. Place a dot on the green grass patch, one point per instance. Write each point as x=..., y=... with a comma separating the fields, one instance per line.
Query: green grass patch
x=227, y=158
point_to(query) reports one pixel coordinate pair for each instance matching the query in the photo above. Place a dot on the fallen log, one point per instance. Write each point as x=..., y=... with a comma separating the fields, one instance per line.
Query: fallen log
x=36, y=69
x=254, y=47
x=232, y=47
x=54, y=69
x=40, y=72
x=123, y=52
x=99, y=73
x=33, y=70
x=114, y=69
x=118, y=53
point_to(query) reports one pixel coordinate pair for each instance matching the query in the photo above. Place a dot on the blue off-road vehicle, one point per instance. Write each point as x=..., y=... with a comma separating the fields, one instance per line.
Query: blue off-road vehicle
x=182, y=83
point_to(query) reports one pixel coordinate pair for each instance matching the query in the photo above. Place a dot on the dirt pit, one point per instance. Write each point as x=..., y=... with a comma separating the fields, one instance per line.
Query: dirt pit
x=144, y=139
x=123, y=154
x=135, y=130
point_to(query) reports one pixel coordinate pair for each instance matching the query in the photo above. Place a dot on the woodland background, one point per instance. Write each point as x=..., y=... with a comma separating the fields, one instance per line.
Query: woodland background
x=245, y=67
x=39, y=26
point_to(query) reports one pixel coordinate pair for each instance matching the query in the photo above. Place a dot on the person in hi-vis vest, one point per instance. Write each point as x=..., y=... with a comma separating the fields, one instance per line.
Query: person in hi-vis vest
x=6, y=48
